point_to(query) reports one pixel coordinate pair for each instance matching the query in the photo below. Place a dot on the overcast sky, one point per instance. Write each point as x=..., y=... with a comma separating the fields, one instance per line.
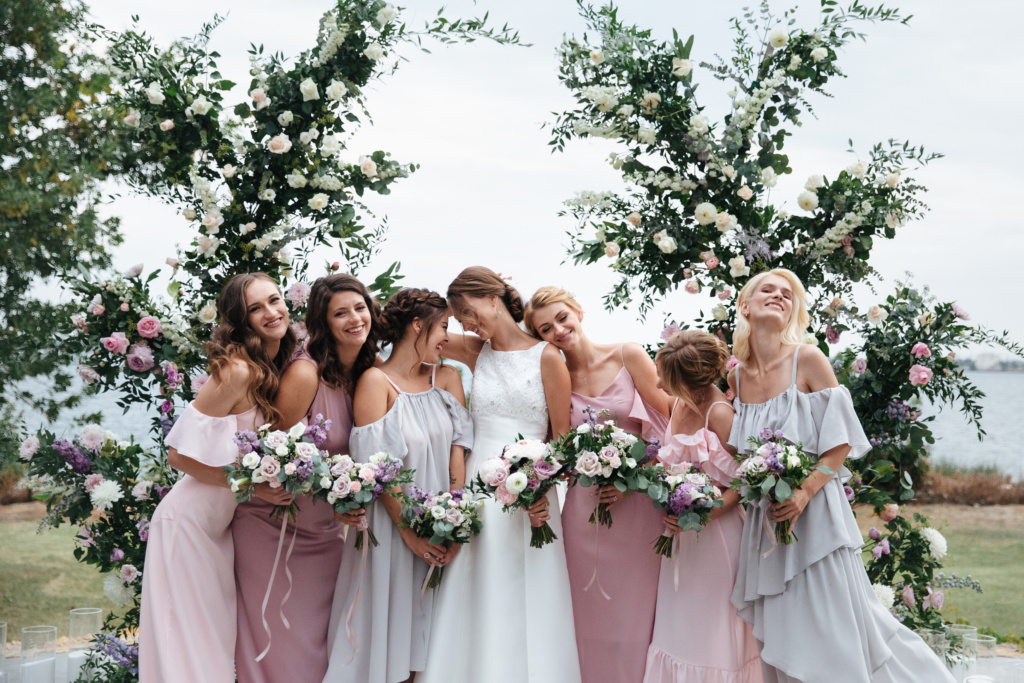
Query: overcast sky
x=489, y=191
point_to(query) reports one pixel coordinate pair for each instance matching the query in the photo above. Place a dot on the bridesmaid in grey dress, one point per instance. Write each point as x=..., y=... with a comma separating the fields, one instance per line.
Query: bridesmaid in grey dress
x=811, y=604
x=413, y=409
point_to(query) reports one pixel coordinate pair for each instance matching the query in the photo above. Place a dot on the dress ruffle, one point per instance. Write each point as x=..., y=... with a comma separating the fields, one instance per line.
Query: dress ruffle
x=206, y=439
x=462, y=421
x=704, y=448
x=664, y=668
x=654, y=423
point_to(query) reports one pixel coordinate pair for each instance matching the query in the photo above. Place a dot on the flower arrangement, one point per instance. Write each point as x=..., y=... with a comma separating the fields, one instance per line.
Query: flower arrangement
x=603, y=454
x=443, y=518
x=348, y=485
x=774, y=470
x=686, y=492
x=292, y=460
x=522, y=475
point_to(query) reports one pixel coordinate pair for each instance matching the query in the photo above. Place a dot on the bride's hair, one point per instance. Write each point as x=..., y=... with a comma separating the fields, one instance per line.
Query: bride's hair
x=545, y=296
x=795, y=330
x=689, y=363
x=479, y=282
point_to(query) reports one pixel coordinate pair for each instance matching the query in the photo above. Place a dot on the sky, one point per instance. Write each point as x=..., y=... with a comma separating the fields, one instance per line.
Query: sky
x=489, y=190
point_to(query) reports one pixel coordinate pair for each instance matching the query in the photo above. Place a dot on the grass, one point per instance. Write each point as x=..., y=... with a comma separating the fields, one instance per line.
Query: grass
x=40, y=580
x=993, y=557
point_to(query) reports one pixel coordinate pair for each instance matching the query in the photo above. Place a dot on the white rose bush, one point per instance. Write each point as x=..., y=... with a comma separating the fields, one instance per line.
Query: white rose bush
x=444, y=518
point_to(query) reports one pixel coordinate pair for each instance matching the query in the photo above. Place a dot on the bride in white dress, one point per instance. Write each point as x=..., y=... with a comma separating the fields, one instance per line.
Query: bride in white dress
x=504, y=613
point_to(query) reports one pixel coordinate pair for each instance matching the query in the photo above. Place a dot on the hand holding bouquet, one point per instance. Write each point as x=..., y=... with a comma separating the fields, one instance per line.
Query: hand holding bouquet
x=520, y=477
x=686, y=492
x=348, y=485
x=444, y=518
x=774, y=469
x=292, y=460
x=603, y=454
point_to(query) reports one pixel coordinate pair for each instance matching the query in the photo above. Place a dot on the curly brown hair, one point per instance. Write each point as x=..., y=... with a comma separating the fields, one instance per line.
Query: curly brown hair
x=233, y=338
x=321, y=346
x=690, y=362
x=479, y=282
x=407, y=305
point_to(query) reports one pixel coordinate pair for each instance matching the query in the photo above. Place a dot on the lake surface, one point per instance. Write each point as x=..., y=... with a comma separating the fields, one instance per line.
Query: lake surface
x=957, y=442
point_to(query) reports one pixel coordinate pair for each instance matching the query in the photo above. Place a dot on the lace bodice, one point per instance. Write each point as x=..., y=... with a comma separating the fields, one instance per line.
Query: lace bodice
x=508, y=384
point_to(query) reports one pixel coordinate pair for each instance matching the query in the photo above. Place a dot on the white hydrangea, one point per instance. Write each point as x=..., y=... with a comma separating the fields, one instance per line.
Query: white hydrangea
x=118, y=591
x=105, y=494
x=603, y=96
x=326, y=182
x=885, y=594
x=937, y=545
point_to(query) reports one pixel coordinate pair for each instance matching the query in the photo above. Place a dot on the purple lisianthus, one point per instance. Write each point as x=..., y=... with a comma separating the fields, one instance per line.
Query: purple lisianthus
x=881, y=549
x=75, y=458
x=544, y=470
x=850, y=495
x=766, y=434
x=772, y=463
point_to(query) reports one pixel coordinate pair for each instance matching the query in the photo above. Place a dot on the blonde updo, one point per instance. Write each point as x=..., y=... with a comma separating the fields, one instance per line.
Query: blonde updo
x=546, y=296
x=689, y=363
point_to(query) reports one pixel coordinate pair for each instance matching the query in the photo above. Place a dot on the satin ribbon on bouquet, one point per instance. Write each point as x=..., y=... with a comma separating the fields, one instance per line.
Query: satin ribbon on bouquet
x=597, y=542
x=766, y=527
x=270, y=584
x=353, y=641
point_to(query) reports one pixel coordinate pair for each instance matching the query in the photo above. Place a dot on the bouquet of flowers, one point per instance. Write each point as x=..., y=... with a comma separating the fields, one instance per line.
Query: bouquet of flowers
x=348, y=485
x=444, y=518
x=603, y=454
x=686, y=492
x=291, y=459
x=519, y=477
x=774, y=468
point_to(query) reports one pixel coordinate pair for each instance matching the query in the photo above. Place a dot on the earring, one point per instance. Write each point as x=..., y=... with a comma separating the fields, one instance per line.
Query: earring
x=497, y=313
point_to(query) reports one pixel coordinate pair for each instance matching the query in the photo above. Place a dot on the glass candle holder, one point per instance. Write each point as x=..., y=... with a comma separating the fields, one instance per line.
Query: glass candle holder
x=85, y=623
x=984, y=662
x=38, y=654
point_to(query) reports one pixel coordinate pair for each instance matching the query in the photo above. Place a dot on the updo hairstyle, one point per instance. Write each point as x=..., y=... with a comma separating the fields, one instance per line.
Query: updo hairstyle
x=479, y=282
x=407, y=305
x=689, y=363
x=546, y=296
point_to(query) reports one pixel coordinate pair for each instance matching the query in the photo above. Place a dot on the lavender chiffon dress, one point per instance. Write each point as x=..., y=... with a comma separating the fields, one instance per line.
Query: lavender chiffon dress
x=811, y=603
x=187, y=624
x=613, y=632
x=305, y=575
x=697, y=636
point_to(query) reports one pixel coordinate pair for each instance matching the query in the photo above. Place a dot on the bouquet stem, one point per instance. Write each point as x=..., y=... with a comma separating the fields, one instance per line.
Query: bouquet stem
x=783, y=535
x=601, y=515
x=663, y=546
x=359, y=538
x=434, y=577
x=541, y=536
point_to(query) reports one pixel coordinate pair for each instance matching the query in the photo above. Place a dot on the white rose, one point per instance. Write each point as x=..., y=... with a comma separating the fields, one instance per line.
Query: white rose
x=247, y=228
x=285, y=118
x=646, y=135
x=667, y=244
x=597, y=57
x=368, y=166
x=259, y=96
x=374, y=51
x=308, y=90
x=132, y=119
x=626, y=110
x=229, y=171
x=251, y=461
x=279, y=144
x=793, y=461
x=858, y=169
x=729, y=172
x=876, y=315
x=588, y=464
x=166, y=125
x=814, y=182
x=725, y=222
x=201, y=105
x=207, y=314
x=699, y=124
x=681, y=68
x=720, y=313
x=807, y=200
x=778, y=38
x=330, y=145
x=516, y=482
x=189, y=214
x=337, y=90
x=386, y=14
x=611, y=249
x=892, y=180
x=705, y=213
x=583, y=428
x=738, y=267
x=318, y=201
x=207, y=245
x=650, y=101
x=325, y=482
x=155, y=93
x=768, y=177
x=295, y=180
x=308, y=136
x=819, y=53
x=455, y=517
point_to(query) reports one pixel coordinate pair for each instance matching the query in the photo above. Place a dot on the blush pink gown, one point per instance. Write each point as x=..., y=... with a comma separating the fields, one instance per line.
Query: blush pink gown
x=298, y=652
x=187, y=624
x=698, y=638
x=612, y=635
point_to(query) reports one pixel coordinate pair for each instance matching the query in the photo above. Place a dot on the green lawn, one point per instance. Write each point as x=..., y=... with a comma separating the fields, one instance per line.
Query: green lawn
x=994, y=557
x=40, y=580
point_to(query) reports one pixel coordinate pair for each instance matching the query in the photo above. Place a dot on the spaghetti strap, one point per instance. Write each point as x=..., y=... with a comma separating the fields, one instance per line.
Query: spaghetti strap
x=707, y=417
x=738, y=382
x=796, y=354
x=622, y=356
x=390, y=382
x=433, y=374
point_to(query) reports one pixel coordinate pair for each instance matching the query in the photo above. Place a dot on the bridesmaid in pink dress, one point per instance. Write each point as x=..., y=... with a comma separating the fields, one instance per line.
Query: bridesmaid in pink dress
x=187, y=624
x=613, y=573
x=342, y=321
x=698, y=638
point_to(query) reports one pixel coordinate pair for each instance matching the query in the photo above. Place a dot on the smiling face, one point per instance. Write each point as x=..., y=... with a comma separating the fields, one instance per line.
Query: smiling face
x=266, y=312
x=348, y=318
x=559, y=324
x=771, y=302
x=478, y=314
x=436, y=339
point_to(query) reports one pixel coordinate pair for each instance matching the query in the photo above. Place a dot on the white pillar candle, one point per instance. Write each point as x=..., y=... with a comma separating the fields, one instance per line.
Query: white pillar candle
x=76, y=660
x=41, y=671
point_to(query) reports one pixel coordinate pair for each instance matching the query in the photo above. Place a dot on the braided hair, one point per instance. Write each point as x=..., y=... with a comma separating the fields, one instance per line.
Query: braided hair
x=407, y=305
x=479, y=282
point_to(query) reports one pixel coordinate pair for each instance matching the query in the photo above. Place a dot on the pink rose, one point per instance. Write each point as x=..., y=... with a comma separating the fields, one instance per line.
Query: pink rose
x=860, y=366
x=97, y=309
x=849, y=250
x=847, y=241
x=504, y=496
x=269, y=467
x=920, y=349
x=129, y=573
x=730, y=394
x=889, y=512
x=342, y=487
x=166, y=125
x=140, y=358
x=908, y=596
x=335, y=265
x=289, y=469
x=712, y=263
x=92, y=481
x=88, y=375
x=687, y=273
x=725, y=294
x=149, y=327
x=115, y=343
x=919, y=374
x=934, y=599
x=124, y=307
x=733, y=362
x=831, y=335
x=692, y=287
x=960, y=313
x=355, y=487
x=117, y=555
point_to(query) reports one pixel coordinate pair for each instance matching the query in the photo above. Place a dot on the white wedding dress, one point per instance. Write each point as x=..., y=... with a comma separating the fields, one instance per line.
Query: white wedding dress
x=504, y=613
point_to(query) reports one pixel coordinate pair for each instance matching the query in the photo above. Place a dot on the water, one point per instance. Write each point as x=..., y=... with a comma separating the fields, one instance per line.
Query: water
x=957, y=442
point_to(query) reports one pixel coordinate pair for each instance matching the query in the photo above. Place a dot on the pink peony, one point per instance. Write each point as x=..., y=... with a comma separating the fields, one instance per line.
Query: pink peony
x=29, y=447
x=299, y=328
x=140, y=358
x=88, y=375
x=889, y=512
x=117, y=555
x=129, y=573
x=882, y=548
x=908, y=596
x=149, y=327
x=298, y=293
x=960, y=313
x=919, y=374
x=504, y=496
x=115, y=343
x=198, y=382
x=85, y=538
x=934, y=599
x=860, y=366
x=874, y=533
x=669, y=330
x=92, y=481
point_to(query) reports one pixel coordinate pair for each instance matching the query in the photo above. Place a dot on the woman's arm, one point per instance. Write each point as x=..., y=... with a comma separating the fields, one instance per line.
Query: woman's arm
x=449, y=379
x=557, y=390
x=463, y=348
x=296, y=392
x=372, y=399
x=645, y=377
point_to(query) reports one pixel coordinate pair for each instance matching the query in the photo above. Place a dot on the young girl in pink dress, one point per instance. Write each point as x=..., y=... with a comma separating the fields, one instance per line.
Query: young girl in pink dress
x=342, y=320
x=697, y=636
x=187, y=625
x=613, y=572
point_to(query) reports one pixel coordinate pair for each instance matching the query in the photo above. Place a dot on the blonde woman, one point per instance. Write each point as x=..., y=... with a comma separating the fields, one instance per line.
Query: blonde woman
x=613, y=574
x=811, y=603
